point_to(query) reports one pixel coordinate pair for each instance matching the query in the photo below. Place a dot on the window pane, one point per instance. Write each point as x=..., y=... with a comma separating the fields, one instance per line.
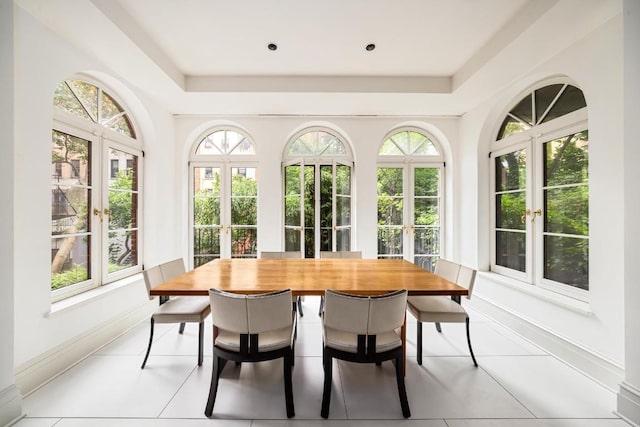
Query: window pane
x=427, y=181
x=206, y=240
x=70, y=210
x=426, y=211
x=70, y=260
x=343, y=211
x=206, y=200
x=309, y=196
x=390, y=149
x=122, y=209
x=390, y=181
x=66, y=100
x=572, y=99
x=511, y=172
x=510, y=211
x=567, y=160
x=244, y=196
x=326, y=239
x=291, y=239
x=523, y=110
x=567, y=210
x=309, y=243
x=343, y=180
x=292, y=211
x=123, y=125
x=244, y=242
x=292, y=180
x=401, y=139
x=326, y=201
x=389, y=211
x=426, y=262
x=67, y=151
x=511, y=126
x=566, y=260
x=543, y=97
x=122, y=249
x=426, y=240
x=510, y=250
x=110, y=108
x=390, y=241
x=343, y=239
x=88, y=96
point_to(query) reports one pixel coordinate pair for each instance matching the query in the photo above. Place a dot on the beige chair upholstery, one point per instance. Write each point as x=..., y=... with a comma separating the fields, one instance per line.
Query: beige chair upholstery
x=178, y=309
x=337, y=255
x=297, y=301
x=252, y=328
x=363, y=329
x=441, y=309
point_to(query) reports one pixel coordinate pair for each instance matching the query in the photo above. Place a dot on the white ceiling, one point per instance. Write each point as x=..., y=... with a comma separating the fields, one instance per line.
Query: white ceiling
x=210, y=57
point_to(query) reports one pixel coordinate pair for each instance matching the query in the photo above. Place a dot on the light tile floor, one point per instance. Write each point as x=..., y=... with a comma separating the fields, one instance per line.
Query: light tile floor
x=516, y=385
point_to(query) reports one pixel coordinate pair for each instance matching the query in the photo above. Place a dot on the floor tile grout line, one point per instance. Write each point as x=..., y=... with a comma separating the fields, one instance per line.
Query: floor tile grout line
x=193, y=370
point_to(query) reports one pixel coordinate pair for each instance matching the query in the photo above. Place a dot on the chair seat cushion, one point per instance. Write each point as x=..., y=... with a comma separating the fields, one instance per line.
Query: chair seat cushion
x=267, y=341
x=183, y=309
x=436, y=309
x=348, y=342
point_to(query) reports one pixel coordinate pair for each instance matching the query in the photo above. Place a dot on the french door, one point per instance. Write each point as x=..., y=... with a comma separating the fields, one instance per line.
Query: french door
x=317, y=206
x=410, y=213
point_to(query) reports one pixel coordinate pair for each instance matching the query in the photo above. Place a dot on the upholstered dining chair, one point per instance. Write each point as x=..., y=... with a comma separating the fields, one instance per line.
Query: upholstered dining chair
x=252, y=328
x=441, y=309
x=363, y=329
x=178, y=309
x=297, y=301
x=337, y=255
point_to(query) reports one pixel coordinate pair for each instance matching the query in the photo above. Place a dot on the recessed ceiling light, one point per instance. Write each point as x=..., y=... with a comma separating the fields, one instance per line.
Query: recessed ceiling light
x=272, y=46
x=370, y=47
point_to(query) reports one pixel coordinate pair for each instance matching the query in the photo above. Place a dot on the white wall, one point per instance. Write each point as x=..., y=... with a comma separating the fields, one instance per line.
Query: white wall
x=43, y=60
x=364, y=134
x=595, y=64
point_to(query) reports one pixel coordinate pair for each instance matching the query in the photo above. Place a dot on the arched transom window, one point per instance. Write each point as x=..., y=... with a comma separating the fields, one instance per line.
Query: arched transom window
x=317, y=193
x=540, y=178
x=224, y=220
x=410, y=197
x=95, y=169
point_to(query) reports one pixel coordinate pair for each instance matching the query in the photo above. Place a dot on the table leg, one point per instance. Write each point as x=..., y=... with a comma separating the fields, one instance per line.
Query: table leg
x=403, y=336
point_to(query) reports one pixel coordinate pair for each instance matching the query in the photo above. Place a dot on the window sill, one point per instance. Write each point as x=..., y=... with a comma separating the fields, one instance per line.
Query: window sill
x=94, y=294
x=564, y=301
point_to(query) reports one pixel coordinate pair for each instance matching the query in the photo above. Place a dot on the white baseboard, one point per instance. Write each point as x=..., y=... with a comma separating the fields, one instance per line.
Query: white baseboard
x=10, y=405
x=629, y=404
x=43, y=368
x=602, y=370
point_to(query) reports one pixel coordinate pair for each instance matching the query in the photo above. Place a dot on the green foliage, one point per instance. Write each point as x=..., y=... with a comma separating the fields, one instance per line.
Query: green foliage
x=69, y=277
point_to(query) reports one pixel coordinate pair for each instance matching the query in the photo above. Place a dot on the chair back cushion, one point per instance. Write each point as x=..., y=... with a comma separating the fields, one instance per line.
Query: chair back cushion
x=172, y=269
x=466, y=278
x=345, y=312
x=229, y=311
x=387, y=312
x=269, y=312
x=447, y=269
x=152, y=278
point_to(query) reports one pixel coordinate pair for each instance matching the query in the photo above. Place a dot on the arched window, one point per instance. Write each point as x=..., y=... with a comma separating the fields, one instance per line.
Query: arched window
x=95, y=170
x=224, y=220
x=410, y=197
x=317, y=193
x=540, y=181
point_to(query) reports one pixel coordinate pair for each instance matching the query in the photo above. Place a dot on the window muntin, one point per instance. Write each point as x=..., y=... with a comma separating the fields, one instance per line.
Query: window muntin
x=225, y=197
x=317, y=193
x=541, y=191
x=410, y=198
x=95, y=209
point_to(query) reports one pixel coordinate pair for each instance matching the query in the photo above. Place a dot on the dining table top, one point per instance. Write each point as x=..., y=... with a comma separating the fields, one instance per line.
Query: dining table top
x=308, y=276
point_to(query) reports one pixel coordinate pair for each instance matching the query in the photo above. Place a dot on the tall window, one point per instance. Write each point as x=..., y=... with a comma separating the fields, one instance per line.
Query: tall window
x=95, y=190
x=410, y=176
x=317, y=193
x=541, y=191
x=225, y=197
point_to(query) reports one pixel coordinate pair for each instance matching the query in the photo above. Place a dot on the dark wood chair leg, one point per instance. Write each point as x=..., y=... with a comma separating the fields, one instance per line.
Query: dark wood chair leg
x=288, y=385
x=146, y=356
x=438, y=328
x=469, y=342
x=200, y=342
x=327, y=362
x=213, y=389
x=181, y=330
x=321, y=306
x=402, y=391
x=419, y=343
x=299, y=304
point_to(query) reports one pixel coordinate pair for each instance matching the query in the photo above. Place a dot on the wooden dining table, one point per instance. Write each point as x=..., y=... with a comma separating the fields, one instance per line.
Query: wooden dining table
x=310, y=276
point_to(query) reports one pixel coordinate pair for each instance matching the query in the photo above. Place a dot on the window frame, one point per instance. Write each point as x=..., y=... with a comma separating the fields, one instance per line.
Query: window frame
x=532, y=140
x=102, y=140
